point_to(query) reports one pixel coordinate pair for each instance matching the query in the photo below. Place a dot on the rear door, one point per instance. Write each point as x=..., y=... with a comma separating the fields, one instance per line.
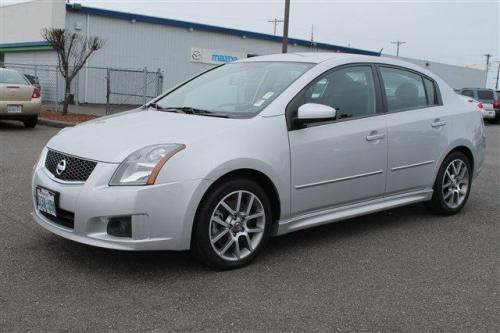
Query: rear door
x=416, y=126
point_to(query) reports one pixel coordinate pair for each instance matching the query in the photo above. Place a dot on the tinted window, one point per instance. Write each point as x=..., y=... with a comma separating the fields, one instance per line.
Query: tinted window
x=469, y=93
x=485, y=94
x=430, y=90
x=11, y=77
x=349, y=90
x=403, y=89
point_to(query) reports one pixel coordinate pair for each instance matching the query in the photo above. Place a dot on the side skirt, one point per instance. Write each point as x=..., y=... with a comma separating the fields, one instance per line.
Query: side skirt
x=317, y=218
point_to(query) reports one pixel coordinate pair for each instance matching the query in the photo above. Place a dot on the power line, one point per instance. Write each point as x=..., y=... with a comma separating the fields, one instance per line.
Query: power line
x=275, y=21
x=398, y=43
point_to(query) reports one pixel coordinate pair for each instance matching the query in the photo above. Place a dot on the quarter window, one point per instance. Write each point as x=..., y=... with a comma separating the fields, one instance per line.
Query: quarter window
x=349, y=90
x=430, y=90
x=403, y=89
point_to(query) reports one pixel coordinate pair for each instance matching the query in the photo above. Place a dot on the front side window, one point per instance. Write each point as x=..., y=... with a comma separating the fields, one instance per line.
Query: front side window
x=349, y=90
x=235, y=89
x=403, y=89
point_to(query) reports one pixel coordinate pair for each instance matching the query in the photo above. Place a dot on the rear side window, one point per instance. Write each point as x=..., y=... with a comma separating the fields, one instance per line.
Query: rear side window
x=403, y=89
x=469, y=93
x=485, y=94
x=11, y=77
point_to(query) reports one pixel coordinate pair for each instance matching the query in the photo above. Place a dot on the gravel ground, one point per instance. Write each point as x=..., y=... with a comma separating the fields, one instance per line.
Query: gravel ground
x=400, y=270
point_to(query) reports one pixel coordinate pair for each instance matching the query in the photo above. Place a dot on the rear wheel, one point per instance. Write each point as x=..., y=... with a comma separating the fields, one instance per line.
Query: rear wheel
x=453, y=184
x=30, y=122
x=232, y=224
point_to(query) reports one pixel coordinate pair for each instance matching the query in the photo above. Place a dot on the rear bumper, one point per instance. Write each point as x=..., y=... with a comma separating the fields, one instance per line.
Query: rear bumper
x=30, y=109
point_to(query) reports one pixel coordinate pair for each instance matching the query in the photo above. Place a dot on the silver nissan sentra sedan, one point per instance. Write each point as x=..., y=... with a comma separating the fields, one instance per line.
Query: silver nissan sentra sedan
x=259, y=148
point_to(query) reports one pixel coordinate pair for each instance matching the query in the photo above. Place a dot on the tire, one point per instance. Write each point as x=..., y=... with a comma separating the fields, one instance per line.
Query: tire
x=449, y=197
x=31, y=122
x=230, y=238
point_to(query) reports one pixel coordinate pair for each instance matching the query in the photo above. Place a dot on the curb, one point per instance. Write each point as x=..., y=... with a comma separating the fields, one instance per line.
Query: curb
x=54, y=123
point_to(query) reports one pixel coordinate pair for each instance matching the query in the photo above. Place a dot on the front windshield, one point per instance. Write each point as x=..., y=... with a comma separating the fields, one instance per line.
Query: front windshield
x=236, y=89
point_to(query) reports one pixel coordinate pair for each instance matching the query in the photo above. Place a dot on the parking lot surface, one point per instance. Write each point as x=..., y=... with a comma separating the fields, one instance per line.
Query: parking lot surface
x=400, y=270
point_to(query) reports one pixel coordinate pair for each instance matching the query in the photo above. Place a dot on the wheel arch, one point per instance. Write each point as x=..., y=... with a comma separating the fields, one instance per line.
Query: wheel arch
x=258, y=177
x=463, y=148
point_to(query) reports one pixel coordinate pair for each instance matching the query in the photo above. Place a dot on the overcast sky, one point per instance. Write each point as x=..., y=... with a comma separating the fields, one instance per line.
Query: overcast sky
x=455, y=32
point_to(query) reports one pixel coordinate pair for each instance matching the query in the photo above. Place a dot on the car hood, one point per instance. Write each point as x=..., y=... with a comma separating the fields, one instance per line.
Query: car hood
x=111, y=139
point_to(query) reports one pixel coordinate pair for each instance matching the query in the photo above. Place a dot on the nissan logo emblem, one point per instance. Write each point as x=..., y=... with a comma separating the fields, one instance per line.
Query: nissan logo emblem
x=61, y=166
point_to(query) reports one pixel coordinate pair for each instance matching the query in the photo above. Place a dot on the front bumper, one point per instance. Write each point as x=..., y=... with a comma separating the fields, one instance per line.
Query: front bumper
x=161, y=215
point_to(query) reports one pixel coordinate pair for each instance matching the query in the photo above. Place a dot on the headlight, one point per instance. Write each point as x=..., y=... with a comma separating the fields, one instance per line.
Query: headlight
x=143, y=166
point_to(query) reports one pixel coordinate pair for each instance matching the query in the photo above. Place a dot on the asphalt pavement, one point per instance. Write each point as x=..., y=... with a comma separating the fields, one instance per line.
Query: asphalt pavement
x=401, y=270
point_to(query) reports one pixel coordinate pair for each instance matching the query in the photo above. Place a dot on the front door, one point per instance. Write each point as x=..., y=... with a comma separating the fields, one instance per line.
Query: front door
x=343, y=160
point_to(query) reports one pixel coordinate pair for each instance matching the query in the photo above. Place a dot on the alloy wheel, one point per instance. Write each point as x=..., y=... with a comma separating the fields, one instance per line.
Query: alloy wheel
x=455, y=183
x=237, y=225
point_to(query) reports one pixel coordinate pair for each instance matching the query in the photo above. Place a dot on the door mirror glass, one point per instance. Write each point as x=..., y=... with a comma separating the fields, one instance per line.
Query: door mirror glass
x=313, y=112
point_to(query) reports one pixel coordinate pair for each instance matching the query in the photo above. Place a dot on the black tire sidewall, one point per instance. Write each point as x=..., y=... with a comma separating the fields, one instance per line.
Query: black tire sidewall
x=438, y=197
x=200, y=241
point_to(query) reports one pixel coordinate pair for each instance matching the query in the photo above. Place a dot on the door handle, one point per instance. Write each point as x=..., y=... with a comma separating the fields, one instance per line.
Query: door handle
x=438, y=123
x=375, y=136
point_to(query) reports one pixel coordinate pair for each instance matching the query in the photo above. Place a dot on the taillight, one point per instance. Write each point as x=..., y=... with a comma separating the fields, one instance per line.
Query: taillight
x=480, y=105
x=36, y=93
x=496, y=104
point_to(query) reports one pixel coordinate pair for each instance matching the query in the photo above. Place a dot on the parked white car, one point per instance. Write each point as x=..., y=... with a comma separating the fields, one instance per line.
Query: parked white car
x=260, y=147
x=486, y=109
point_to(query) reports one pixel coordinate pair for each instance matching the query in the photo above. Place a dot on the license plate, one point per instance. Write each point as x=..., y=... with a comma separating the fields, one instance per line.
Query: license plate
x=46, y=201
x=14, y=108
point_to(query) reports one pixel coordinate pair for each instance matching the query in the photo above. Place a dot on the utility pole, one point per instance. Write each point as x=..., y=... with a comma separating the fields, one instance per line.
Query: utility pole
x=285, y=27
x=488, y=56
x=398, y=43
x=498, y=75
x=275, y=21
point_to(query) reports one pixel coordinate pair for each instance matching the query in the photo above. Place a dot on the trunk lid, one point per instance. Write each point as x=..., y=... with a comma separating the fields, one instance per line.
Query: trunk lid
x=10, y=92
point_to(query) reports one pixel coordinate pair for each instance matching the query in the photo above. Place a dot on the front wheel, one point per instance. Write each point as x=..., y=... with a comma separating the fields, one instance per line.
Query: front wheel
x=232, y=224
x=453, y=184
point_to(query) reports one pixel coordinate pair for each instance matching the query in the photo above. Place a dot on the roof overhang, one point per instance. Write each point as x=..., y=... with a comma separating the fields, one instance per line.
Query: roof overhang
x=25, y=47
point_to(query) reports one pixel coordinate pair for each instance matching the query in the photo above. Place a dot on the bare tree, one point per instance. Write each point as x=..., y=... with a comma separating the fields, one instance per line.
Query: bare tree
x=73, y=50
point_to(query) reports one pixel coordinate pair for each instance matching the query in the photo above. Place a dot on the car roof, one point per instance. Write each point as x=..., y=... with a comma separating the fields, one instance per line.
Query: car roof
x=310, y=57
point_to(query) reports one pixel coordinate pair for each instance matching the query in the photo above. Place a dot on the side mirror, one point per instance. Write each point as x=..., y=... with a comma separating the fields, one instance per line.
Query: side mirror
x=312, y=112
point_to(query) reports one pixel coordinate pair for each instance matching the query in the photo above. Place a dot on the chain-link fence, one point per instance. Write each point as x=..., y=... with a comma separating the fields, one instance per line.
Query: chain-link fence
x=113, y=89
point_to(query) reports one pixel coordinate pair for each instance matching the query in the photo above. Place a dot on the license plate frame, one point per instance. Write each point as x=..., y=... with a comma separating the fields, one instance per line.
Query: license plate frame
x=14, y=108
x=47, y=201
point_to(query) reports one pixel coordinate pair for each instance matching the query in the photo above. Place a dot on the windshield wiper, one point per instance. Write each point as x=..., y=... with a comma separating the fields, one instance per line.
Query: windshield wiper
x=200, y=112
x=161, y=108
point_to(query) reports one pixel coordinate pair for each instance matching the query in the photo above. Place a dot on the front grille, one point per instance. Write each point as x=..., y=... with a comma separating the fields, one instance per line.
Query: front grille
x=68, y=168
x=64, y=218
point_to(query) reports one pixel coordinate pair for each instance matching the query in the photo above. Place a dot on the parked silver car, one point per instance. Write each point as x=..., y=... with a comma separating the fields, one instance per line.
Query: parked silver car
x=261, y=147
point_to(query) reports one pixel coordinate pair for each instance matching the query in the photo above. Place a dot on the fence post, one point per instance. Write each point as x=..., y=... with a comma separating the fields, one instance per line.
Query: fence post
x=108, y=90
x=145, y=85
x=159, y=89
x=57, y=89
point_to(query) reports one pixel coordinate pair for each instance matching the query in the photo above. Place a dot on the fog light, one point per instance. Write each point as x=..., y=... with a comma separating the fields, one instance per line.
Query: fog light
x=120, y=226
